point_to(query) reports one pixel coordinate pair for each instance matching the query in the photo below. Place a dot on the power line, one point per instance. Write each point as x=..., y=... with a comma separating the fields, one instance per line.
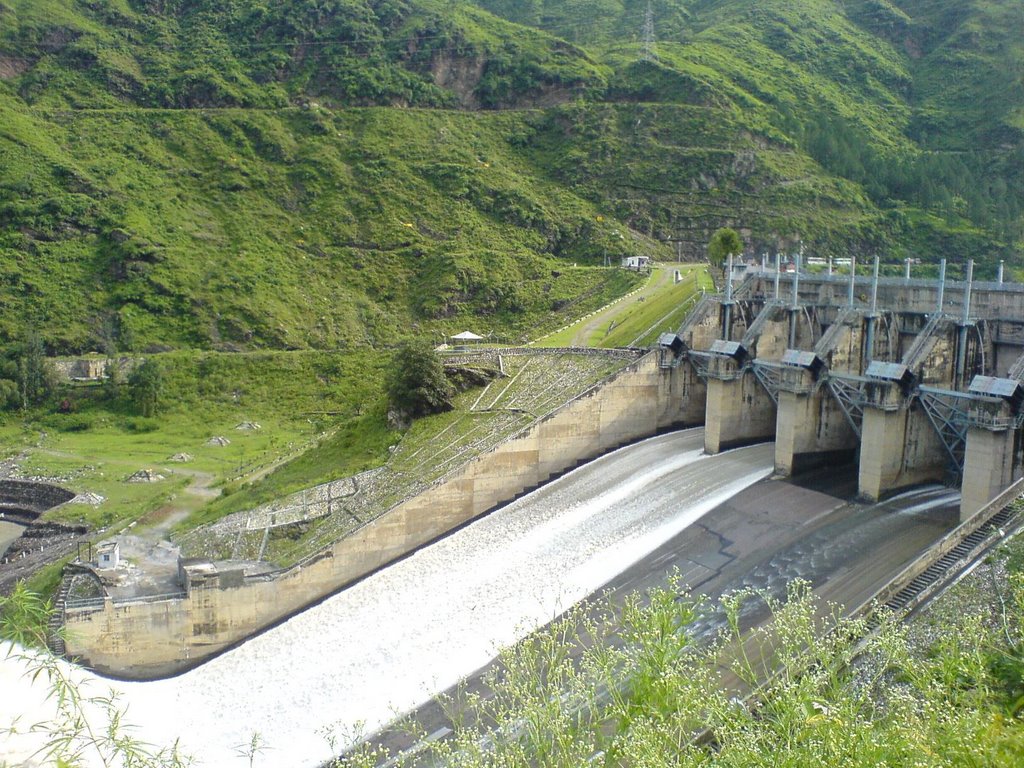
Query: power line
x=648, y=35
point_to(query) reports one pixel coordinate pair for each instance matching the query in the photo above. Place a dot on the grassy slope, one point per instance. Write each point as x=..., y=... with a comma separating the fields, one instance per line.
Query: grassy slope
x=284, y=229
x=213, y=54
x=664, y=312
x=299, y=399
x=433, y=447
x=658, y=306
x=282, y=226
x=273, y=225
x=203, y=175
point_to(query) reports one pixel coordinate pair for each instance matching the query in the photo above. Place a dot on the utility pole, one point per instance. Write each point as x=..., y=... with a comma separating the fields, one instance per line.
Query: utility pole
x=648, y=34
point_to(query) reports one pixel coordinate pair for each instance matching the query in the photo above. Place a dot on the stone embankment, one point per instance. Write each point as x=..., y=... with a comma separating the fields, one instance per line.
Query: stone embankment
x=288, y=530
x=23, y=502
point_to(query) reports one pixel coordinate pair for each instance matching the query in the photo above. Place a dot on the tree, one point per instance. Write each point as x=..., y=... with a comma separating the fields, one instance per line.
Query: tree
x=26, y=377
x=723, y=242
x=145, y=385
x=112, y=378
x=415, y=383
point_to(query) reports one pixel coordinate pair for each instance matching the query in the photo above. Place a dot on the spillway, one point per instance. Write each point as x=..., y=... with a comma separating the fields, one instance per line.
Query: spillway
x=392, y=641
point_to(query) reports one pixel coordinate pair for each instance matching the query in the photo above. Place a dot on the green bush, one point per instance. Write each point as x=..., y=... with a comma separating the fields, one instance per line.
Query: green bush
x=141, y=425
x=69, y=422
x=416, y=384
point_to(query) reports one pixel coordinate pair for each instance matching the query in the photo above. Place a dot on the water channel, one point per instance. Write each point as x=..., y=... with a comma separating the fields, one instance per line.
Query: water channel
x=388, y=644
x=392, y=641
x=9, y=532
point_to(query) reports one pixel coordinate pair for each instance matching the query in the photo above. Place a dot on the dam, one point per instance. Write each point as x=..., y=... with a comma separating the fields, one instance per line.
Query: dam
x=916, y=381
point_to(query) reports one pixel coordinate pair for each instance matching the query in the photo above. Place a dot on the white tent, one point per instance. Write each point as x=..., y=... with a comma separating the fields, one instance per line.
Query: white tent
x=466, y=336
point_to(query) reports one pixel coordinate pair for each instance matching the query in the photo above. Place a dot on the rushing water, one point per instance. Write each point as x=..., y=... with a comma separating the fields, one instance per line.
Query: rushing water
x=395, y=639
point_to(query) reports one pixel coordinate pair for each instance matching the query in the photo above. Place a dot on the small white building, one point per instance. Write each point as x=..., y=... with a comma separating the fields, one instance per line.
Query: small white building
x=636, y=262
x=108, y=555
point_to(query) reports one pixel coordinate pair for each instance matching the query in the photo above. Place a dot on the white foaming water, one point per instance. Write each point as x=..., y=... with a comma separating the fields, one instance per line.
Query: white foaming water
x=394, y=640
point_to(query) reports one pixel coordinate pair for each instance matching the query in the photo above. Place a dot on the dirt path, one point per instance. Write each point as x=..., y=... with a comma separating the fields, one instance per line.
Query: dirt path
x=198, y=492
x=609, y=314
x=156, y=525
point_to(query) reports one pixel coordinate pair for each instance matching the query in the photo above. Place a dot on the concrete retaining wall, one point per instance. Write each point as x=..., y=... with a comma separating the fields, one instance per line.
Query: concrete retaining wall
x=156, y=638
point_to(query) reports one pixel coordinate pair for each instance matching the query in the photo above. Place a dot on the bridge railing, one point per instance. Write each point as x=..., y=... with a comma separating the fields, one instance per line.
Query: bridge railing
x=84, y=604
x=451, y=355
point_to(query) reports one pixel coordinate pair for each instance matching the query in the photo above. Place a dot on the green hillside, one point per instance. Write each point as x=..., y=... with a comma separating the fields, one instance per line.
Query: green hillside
x=339, y=173
x=286, y=228
x=918, y=103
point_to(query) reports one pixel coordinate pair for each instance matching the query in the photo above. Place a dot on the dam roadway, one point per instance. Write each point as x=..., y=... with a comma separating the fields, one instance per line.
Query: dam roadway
x=390, y=643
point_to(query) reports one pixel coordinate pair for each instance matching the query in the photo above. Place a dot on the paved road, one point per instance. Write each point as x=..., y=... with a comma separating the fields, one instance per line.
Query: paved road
x=764, y=537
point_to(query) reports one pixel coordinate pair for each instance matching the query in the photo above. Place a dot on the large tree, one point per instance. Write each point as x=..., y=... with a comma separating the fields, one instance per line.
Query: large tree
x=416, y=384
x=145, y=385
x=723, y=242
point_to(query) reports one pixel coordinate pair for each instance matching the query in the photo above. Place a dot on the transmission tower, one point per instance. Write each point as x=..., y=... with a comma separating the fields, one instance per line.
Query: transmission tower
x=648, y=54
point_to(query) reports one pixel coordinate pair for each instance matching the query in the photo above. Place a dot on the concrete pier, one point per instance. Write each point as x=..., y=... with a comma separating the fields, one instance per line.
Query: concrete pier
x=811, y=428
x=739, y=409
x=817, y=422
x=899, y=447
x=992, y=462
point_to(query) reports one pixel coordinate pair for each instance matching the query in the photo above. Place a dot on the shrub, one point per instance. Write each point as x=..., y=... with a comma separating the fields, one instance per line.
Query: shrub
x=141, y=426
x=69, y=422
x=416, y=384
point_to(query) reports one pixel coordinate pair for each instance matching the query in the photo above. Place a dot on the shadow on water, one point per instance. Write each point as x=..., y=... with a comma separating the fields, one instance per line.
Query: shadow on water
x=839, y=481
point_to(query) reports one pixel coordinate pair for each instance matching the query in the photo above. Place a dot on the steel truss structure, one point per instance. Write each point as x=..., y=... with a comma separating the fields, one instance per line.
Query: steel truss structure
x=769, y=375
x=949, y=414
x=848, y=391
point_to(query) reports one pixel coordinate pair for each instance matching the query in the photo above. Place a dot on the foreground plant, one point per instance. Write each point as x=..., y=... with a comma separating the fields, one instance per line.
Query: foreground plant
x=633, y=688
x=85, y=729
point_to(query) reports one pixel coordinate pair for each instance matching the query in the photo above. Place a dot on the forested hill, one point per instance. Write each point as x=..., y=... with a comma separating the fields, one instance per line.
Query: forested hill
x=335, y=173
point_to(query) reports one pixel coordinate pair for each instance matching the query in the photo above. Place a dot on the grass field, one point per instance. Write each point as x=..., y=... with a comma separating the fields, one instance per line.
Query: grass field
x=298, y=400
x=644, y=321
x=659, y=305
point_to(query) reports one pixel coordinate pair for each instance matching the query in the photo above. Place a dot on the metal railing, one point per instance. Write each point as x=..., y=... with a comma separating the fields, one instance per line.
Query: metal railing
x=945, y=544
x=80, y=604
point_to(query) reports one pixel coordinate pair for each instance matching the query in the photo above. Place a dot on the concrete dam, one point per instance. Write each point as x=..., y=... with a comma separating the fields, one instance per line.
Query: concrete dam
x=915, y=380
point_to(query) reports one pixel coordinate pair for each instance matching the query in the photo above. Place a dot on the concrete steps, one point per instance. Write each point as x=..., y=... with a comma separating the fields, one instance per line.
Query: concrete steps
x=54, y=638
